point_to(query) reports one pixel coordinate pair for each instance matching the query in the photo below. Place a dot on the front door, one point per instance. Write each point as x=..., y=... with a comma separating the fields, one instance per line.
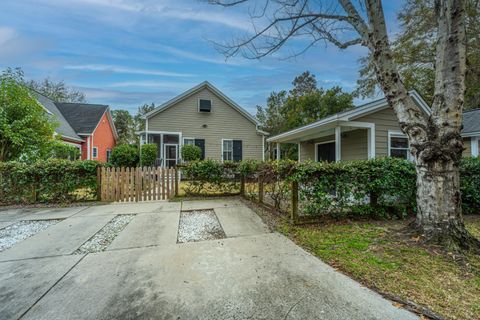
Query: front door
x=171, y=155
x=326, y=152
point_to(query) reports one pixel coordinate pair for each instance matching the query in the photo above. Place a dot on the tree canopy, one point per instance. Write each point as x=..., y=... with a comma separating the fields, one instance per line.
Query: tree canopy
x=125, y=126
x=301, y=105
x=415, y=48
x=26, y=129
x=57, y=91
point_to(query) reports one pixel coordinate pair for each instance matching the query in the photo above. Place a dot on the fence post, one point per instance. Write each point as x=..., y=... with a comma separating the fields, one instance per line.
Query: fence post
x=242, y=185
x=176, y=182
x=99, y=183
x=260, y=188
x=294, y=216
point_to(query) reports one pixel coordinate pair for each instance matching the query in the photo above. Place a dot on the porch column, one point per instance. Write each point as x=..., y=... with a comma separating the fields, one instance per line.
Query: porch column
x=278, y=150
x=371, y=142
x=474, y=144
x=338, y=143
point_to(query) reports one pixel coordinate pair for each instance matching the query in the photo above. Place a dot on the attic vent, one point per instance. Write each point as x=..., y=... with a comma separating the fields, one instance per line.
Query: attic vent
x=204, y=105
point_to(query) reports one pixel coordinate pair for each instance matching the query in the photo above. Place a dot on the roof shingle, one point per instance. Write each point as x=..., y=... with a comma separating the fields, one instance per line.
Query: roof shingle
x=83, y=117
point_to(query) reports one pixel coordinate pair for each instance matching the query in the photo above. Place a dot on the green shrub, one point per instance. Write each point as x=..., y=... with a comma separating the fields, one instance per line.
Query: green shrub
x=148, y=154
x=470, y=184
x=210, y=177
x=191, y=152
x=60, y=150
x=52, y=180
x=124, y=155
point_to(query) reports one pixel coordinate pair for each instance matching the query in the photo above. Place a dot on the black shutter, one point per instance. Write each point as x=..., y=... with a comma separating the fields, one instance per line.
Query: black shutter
x=201, y=144
x=237, y=150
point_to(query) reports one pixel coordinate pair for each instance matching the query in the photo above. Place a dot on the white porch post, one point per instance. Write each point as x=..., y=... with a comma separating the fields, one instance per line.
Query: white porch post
x=278, y=150
x=474, y=144
x=371, y=142
x=338, y=143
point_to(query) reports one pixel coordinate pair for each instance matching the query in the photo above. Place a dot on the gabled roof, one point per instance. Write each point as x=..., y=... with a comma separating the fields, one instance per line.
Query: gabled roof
x=350, y=115
x=83, y=117
x=64, y=129
x=471, y=123
x=195, y=89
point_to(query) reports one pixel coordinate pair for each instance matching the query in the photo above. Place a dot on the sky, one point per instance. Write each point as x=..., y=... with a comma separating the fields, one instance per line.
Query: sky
x=125, y=53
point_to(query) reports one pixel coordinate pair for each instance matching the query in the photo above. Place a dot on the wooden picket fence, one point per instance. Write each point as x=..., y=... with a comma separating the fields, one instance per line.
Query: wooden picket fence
x=137, y=184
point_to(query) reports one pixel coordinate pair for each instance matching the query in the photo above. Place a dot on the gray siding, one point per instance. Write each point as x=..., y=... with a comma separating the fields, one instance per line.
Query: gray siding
x=224, y=122
x=467, y=144
x=384, y=120
x=354, y=146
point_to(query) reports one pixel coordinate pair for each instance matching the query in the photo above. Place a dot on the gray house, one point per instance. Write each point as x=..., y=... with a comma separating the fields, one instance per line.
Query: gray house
x=368, y=131
x=205, y=117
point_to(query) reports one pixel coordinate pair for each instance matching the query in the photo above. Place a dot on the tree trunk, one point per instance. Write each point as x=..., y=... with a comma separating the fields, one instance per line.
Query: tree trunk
x=435, y=141
x=439, y=211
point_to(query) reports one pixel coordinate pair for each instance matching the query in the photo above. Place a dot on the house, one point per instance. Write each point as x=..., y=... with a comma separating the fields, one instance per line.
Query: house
x=89, y=127
x=205, y=117
x=365, y=132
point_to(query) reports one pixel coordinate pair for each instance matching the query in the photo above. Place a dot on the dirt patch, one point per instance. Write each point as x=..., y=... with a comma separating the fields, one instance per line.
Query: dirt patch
x=22, y=230
x=103, y=238
x=199, y=225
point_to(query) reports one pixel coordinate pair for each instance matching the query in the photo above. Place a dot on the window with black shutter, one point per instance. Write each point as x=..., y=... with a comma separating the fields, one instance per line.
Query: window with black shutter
x=201, y=144
x=204, y=105
x=237, y=150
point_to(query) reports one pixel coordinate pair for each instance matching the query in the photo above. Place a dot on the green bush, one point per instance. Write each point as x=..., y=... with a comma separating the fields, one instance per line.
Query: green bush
x=191, y=152
x=210, y=177
x=60, y=150
x=470, y=184
x=148, y=154
x=52, y=180
x=124, y=155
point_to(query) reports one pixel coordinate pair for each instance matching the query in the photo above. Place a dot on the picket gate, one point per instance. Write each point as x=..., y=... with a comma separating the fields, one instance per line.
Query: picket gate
x=124, y=184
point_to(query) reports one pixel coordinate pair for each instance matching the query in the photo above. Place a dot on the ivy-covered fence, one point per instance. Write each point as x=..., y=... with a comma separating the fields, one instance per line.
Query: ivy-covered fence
x=382, y=187
x=52, y=180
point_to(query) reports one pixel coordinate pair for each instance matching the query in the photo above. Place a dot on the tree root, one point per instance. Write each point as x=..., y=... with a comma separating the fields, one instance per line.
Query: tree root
x=451, y=235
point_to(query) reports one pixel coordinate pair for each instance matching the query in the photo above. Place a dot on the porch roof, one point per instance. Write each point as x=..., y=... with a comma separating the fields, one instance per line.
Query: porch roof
x=343, y=119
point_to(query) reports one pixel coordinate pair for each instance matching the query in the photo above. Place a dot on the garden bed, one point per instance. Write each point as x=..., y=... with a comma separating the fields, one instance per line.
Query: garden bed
x=199, y=225
x=103, y=238
x=22, y=230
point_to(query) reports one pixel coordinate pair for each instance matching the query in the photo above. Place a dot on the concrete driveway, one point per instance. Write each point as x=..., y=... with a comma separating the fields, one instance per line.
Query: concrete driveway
x=145, y=274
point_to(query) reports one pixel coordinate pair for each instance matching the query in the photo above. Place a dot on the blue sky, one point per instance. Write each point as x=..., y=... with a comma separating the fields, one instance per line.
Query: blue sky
x=128, y=52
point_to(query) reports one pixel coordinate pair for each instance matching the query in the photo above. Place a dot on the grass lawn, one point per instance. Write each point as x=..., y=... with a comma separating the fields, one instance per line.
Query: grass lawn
x=381, y=256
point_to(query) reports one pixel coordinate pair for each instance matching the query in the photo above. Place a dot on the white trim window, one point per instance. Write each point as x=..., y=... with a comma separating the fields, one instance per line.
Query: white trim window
x=227, y=150
x=95, y=152
x=187, y=141
x=109, y=154
x=398, y=145
x=204, y=105
x=330, y=155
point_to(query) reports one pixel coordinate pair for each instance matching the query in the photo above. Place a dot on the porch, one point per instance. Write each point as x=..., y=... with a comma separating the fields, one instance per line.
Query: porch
x=168, y=145
x=334, y=141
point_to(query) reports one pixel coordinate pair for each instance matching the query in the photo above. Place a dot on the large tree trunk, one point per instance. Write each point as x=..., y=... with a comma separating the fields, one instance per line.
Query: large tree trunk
x=435, y=141
x=439, y=210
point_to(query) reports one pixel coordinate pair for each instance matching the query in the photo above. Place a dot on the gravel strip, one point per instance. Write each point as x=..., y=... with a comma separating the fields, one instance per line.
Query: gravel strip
x=199, y=225
x=22, y=230
x=102, y=239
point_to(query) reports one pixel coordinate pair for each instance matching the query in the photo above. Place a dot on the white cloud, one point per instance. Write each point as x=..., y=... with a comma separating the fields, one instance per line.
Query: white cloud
x=153, y=84
x=6, y=34
x=168, y=9
x=120, y=69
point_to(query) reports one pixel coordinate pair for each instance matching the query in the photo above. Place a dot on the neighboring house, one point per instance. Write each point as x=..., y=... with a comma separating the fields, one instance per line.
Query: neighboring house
x=203, y=116
x=365, y=132
x=89, y=127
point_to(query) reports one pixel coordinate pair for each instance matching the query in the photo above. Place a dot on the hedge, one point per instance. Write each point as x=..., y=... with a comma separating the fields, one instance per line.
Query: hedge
x=380, y=187
x=52, y=180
